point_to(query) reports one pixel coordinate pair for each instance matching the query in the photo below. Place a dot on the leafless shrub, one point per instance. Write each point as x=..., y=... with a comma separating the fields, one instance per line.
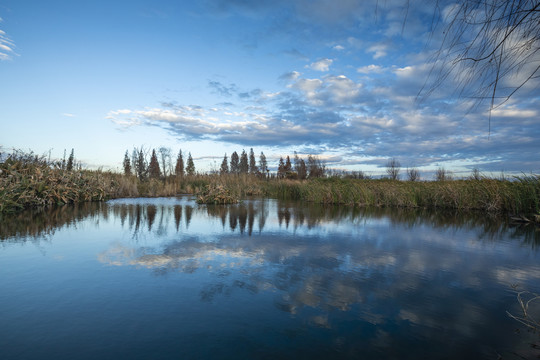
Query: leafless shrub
x=413, y=174
x=392, y=169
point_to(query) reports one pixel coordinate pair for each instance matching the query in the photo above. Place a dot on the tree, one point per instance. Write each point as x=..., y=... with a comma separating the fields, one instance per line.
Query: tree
x=300, y=166
x=153, y=169
x=263, y=165
x=190, y=168
x=244, y=166
x=70, y=161
x=165, y=155
x=413, y=174
x=127, y=164
x=442, y=174
x=392, y=169
x=179, y=168
x=288, y=165
x=140, y=166
x=235, y=163
x=253, y=169
x=224, y=166
x=491, y=47
x=281, y=168
x=315, y=167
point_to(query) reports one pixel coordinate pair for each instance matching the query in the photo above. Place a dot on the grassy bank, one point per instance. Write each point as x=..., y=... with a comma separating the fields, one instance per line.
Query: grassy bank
x=27, y=181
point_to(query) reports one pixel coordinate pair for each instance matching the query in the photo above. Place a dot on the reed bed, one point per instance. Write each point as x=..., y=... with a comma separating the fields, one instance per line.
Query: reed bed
x=519, y=196
x=27, y=181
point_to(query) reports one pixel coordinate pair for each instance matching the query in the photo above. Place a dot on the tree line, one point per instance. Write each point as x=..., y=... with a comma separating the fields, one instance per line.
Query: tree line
x=160, y=165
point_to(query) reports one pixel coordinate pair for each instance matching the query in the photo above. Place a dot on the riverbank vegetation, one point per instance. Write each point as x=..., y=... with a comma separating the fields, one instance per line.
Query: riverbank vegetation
x=28, y=181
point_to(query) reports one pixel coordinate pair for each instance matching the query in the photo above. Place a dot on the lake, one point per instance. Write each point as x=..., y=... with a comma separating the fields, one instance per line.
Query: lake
x=167, y=278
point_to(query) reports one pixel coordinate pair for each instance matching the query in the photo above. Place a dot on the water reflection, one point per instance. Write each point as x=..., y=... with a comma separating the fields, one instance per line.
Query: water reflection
x=359, y=281
x=252, y=215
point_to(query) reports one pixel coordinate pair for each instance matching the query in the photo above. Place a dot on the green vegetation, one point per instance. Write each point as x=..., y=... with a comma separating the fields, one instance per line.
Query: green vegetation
x=28, y=181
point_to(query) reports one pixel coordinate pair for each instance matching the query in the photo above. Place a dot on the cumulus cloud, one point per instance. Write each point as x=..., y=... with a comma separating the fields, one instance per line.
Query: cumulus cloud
x=378, y=50
x=321, y=65
x=370, y=69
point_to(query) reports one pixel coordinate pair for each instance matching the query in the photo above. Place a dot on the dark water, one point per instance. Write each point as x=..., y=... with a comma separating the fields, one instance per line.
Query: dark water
x=169, y=279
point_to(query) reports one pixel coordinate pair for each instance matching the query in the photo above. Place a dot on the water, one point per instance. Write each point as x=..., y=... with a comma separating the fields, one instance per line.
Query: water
x=170, y=279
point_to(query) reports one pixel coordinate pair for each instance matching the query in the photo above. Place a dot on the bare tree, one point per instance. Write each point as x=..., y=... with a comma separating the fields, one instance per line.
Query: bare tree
x=490, y=47
x=165, y=155
x=392, y=169
x=442, y=174
x=413, y=174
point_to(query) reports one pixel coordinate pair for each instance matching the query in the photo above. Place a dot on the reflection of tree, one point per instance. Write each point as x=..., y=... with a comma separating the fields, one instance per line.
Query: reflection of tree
x=151, y=211
x=43, y=222
x=189, y=214
x=177, y=216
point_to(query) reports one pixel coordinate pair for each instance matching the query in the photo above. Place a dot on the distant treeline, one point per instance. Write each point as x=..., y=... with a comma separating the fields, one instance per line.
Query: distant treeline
x=160, y=165
x=31, y=181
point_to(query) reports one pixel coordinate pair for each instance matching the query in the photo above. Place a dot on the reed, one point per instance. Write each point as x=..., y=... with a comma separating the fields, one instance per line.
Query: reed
x=28, y=181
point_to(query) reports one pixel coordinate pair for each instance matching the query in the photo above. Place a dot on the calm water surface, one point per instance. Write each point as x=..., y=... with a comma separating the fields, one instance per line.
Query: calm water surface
x=169, y=279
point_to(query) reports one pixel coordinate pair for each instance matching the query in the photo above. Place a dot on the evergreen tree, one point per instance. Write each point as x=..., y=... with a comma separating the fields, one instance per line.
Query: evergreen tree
x=281, y=168
x=127, y=164
x=224, y=166
x=288, y=165
x=153, y=168
x=253, y=169
x=235, y=163
x=179, y=168
x=263, y=165
x=70, y=161
x=244, y=166
x=190, y=168
x=141, y=165
x=64, y=160
x=134, y=159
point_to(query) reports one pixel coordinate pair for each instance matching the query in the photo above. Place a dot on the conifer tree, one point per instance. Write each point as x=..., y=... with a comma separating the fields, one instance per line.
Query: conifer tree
x=70, y=161
x=179, y=168
x=141, y=165
x=288, y=165
x=235, y=163
x=252, y=163
x=244, y=166
x=127, y=164
x=224, y=166
x=190, y=168
x=263, y=165
x=281, y=168
x=153, y=168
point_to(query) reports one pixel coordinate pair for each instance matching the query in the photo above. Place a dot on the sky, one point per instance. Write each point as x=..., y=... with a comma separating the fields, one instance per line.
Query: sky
x=335, y=79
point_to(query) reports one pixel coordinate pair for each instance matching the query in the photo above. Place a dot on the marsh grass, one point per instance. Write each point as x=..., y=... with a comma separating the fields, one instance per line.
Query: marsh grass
x=28, y=181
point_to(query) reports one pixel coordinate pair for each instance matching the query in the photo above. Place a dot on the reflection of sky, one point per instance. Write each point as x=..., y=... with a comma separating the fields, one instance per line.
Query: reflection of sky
x=397, y=281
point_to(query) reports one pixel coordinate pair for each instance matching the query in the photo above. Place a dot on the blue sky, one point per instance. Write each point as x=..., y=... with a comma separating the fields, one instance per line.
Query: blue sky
x=337, y=79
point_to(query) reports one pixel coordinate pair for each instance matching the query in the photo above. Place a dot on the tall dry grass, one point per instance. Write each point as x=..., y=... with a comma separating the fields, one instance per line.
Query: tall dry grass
x=27, y=181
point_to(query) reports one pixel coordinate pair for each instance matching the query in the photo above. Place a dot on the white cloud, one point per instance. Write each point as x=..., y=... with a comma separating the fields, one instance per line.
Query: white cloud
x=339, y=48
x=378, y=50
x=321, y=65
x=513, y=112
x=7, y=46
x=370, y=69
